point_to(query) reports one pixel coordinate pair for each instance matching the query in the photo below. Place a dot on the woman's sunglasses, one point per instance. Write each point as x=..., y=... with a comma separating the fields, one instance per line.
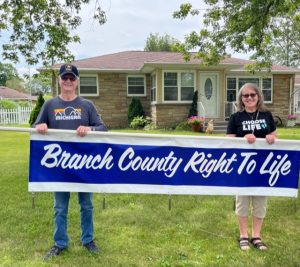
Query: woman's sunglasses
x=71, y=78
x=247, y=95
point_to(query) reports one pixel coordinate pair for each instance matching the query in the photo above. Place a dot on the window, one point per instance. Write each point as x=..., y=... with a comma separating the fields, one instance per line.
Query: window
x=153, y=88
x=267, y=89
x=233, y=85
x=136, y=85
x=187, y=86
x=88, y=85
x=231, y=89
x=179, y=86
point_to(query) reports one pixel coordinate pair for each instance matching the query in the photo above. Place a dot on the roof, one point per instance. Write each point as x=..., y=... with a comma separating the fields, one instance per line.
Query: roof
x=8, y=93
x=140, y=60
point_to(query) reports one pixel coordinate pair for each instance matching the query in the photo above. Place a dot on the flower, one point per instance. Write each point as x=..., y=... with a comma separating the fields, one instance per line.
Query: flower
x=292, y=117
x=194, y=120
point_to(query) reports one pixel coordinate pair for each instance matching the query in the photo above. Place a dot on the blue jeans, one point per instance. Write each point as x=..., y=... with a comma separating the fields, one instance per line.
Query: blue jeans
x=61, y=205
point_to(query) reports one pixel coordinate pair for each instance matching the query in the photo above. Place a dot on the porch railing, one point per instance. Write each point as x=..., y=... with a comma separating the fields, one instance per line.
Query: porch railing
x=230, y=108
x=201, y=111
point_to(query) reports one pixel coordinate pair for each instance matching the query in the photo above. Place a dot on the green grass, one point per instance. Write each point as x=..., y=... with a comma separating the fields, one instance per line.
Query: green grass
x=136, y=229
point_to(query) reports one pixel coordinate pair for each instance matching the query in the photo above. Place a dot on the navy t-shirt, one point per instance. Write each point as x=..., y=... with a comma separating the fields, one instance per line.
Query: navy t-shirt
x=69, y=115
x=259, y=123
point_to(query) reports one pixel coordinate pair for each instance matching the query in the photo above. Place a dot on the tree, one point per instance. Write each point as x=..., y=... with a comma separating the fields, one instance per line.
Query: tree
x=9, y=77
x=3, y=79
x=38, y=83
x=135, y=109
x=160, y=43
x=35, y=112
x=194, y=109
x=41, y=30
x=286, y=45
x=243, y=26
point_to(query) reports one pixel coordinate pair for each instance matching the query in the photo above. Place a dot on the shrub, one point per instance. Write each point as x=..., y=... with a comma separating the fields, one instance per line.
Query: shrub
x=183, y=126
x=35, y=112
x=8, y=104
x=194, y=110
x=140, y=122
x=135, y=109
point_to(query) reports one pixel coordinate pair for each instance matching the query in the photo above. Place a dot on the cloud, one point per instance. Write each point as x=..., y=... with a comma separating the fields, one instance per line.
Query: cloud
x=129, y=23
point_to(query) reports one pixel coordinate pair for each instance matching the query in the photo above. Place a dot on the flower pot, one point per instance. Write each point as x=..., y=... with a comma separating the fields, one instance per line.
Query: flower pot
x=196, y=127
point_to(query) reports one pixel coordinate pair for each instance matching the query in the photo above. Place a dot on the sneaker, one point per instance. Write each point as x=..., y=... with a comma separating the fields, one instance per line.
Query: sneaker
x=91, y=247
x=53, y=252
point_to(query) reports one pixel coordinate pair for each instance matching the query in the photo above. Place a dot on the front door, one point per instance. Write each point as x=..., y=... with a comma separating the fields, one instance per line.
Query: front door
x=209, y=94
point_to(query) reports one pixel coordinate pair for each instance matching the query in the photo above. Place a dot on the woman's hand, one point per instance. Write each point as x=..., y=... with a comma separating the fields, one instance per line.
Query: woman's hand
x=250, y=138
x=270, y=138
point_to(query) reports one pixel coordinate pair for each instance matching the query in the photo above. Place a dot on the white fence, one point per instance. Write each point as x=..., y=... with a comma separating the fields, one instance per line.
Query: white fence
x=19, y=115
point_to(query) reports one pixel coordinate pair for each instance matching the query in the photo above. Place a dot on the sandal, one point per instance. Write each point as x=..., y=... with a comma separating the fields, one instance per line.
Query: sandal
x=244, y=243
x=259, y=244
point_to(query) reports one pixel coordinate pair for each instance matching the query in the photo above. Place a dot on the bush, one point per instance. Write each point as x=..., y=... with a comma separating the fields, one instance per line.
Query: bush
x=25, y=104
x=135, y=109
x=183, y=126
x=35, y=112
x=140, y=122
x=8, y=104
x=194, y=109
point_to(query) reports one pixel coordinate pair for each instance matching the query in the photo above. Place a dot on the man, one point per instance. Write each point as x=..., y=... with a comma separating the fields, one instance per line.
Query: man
x=69, y=111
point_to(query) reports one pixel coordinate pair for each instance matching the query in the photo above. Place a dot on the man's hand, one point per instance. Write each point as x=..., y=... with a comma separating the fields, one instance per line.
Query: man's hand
x=83, y=130
x=42, y=128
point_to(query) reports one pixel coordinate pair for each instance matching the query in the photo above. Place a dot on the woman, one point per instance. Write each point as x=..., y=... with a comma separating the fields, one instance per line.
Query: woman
x=252, y=111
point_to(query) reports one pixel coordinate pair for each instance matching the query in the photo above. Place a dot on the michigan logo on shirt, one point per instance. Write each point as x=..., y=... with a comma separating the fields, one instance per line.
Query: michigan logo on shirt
x=67, y=114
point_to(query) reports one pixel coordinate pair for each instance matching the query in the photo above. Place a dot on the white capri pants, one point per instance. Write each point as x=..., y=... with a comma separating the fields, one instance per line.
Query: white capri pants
x=259, y=206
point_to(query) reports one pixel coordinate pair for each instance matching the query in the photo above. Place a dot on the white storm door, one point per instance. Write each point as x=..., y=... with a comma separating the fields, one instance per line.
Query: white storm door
x=209, y=94
x=297, y=100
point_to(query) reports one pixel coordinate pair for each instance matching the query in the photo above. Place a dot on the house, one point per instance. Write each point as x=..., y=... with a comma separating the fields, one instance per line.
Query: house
x=14, y=95
x=165, y=84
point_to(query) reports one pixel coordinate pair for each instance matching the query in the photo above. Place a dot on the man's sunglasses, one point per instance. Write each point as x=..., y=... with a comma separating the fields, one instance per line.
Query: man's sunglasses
x=247, y=95
x=71, y=78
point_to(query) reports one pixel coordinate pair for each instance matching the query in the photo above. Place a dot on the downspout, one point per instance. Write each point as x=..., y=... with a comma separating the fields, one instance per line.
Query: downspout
x=291, y=95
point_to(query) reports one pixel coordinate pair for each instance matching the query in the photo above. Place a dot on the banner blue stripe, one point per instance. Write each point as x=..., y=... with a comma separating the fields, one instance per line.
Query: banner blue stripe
x=105, y=163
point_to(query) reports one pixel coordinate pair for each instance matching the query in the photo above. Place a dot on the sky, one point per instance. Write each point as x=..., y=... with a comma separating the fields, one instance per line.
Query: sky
x=129, y=23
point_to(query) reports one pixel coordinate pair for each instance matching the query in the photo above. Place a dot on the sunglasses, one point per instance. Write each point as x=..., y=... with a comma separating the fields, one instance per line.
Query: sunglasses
x=247, y=95
x=71, y=78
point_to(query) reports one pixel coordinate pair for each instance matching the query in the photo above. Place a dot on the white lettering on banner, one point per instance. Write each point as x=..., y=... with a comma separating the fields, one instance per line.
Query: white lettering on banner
x=168, y=164
x=55, y=157
x=276, y=167
x=250, y=166
x=199, y=164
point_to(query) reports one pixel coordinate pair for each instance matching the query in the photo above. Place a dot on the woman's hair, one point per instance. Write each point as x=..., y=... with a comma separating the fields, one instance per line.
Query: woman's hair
x=260, y=102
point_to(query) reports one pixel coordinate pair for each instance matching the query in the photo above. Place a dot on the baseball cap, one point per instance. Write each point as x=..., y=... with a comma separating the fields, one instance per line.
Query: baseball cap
x=68, y=69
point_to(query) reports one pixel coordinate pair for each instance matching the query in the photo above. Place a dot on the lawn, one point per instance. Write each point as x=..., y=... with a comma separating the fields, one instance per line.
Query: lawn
x=135, y=229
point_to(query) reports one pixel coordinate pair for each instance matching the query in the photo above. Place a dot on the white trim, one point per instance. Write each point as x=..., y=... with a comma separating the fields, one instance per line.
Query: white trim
x=136, y=75
x=178, y=86
x=161, y=189
x=97, y=84
x=151, y=77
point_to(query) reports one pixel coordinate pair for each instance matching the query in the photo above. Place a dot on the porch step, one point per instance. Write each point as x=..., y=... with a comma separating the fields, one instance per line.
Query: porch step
x=219, y=126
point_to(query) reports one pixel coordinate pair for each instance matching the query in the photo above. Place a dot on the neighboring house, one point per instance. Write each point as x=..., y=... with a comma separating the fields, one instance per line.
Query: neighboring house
x=165, y=84
x=11, y=94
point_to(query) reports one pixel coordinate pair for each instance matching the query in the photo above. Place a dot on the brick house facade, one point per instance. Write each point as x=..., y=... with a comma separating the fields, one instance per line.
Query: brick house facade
x=165, y=84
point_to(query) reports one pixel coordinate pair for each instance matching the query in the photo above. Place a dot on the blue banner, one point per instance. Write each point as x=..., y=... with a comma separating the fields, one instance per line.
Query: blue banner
x=137, y=163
